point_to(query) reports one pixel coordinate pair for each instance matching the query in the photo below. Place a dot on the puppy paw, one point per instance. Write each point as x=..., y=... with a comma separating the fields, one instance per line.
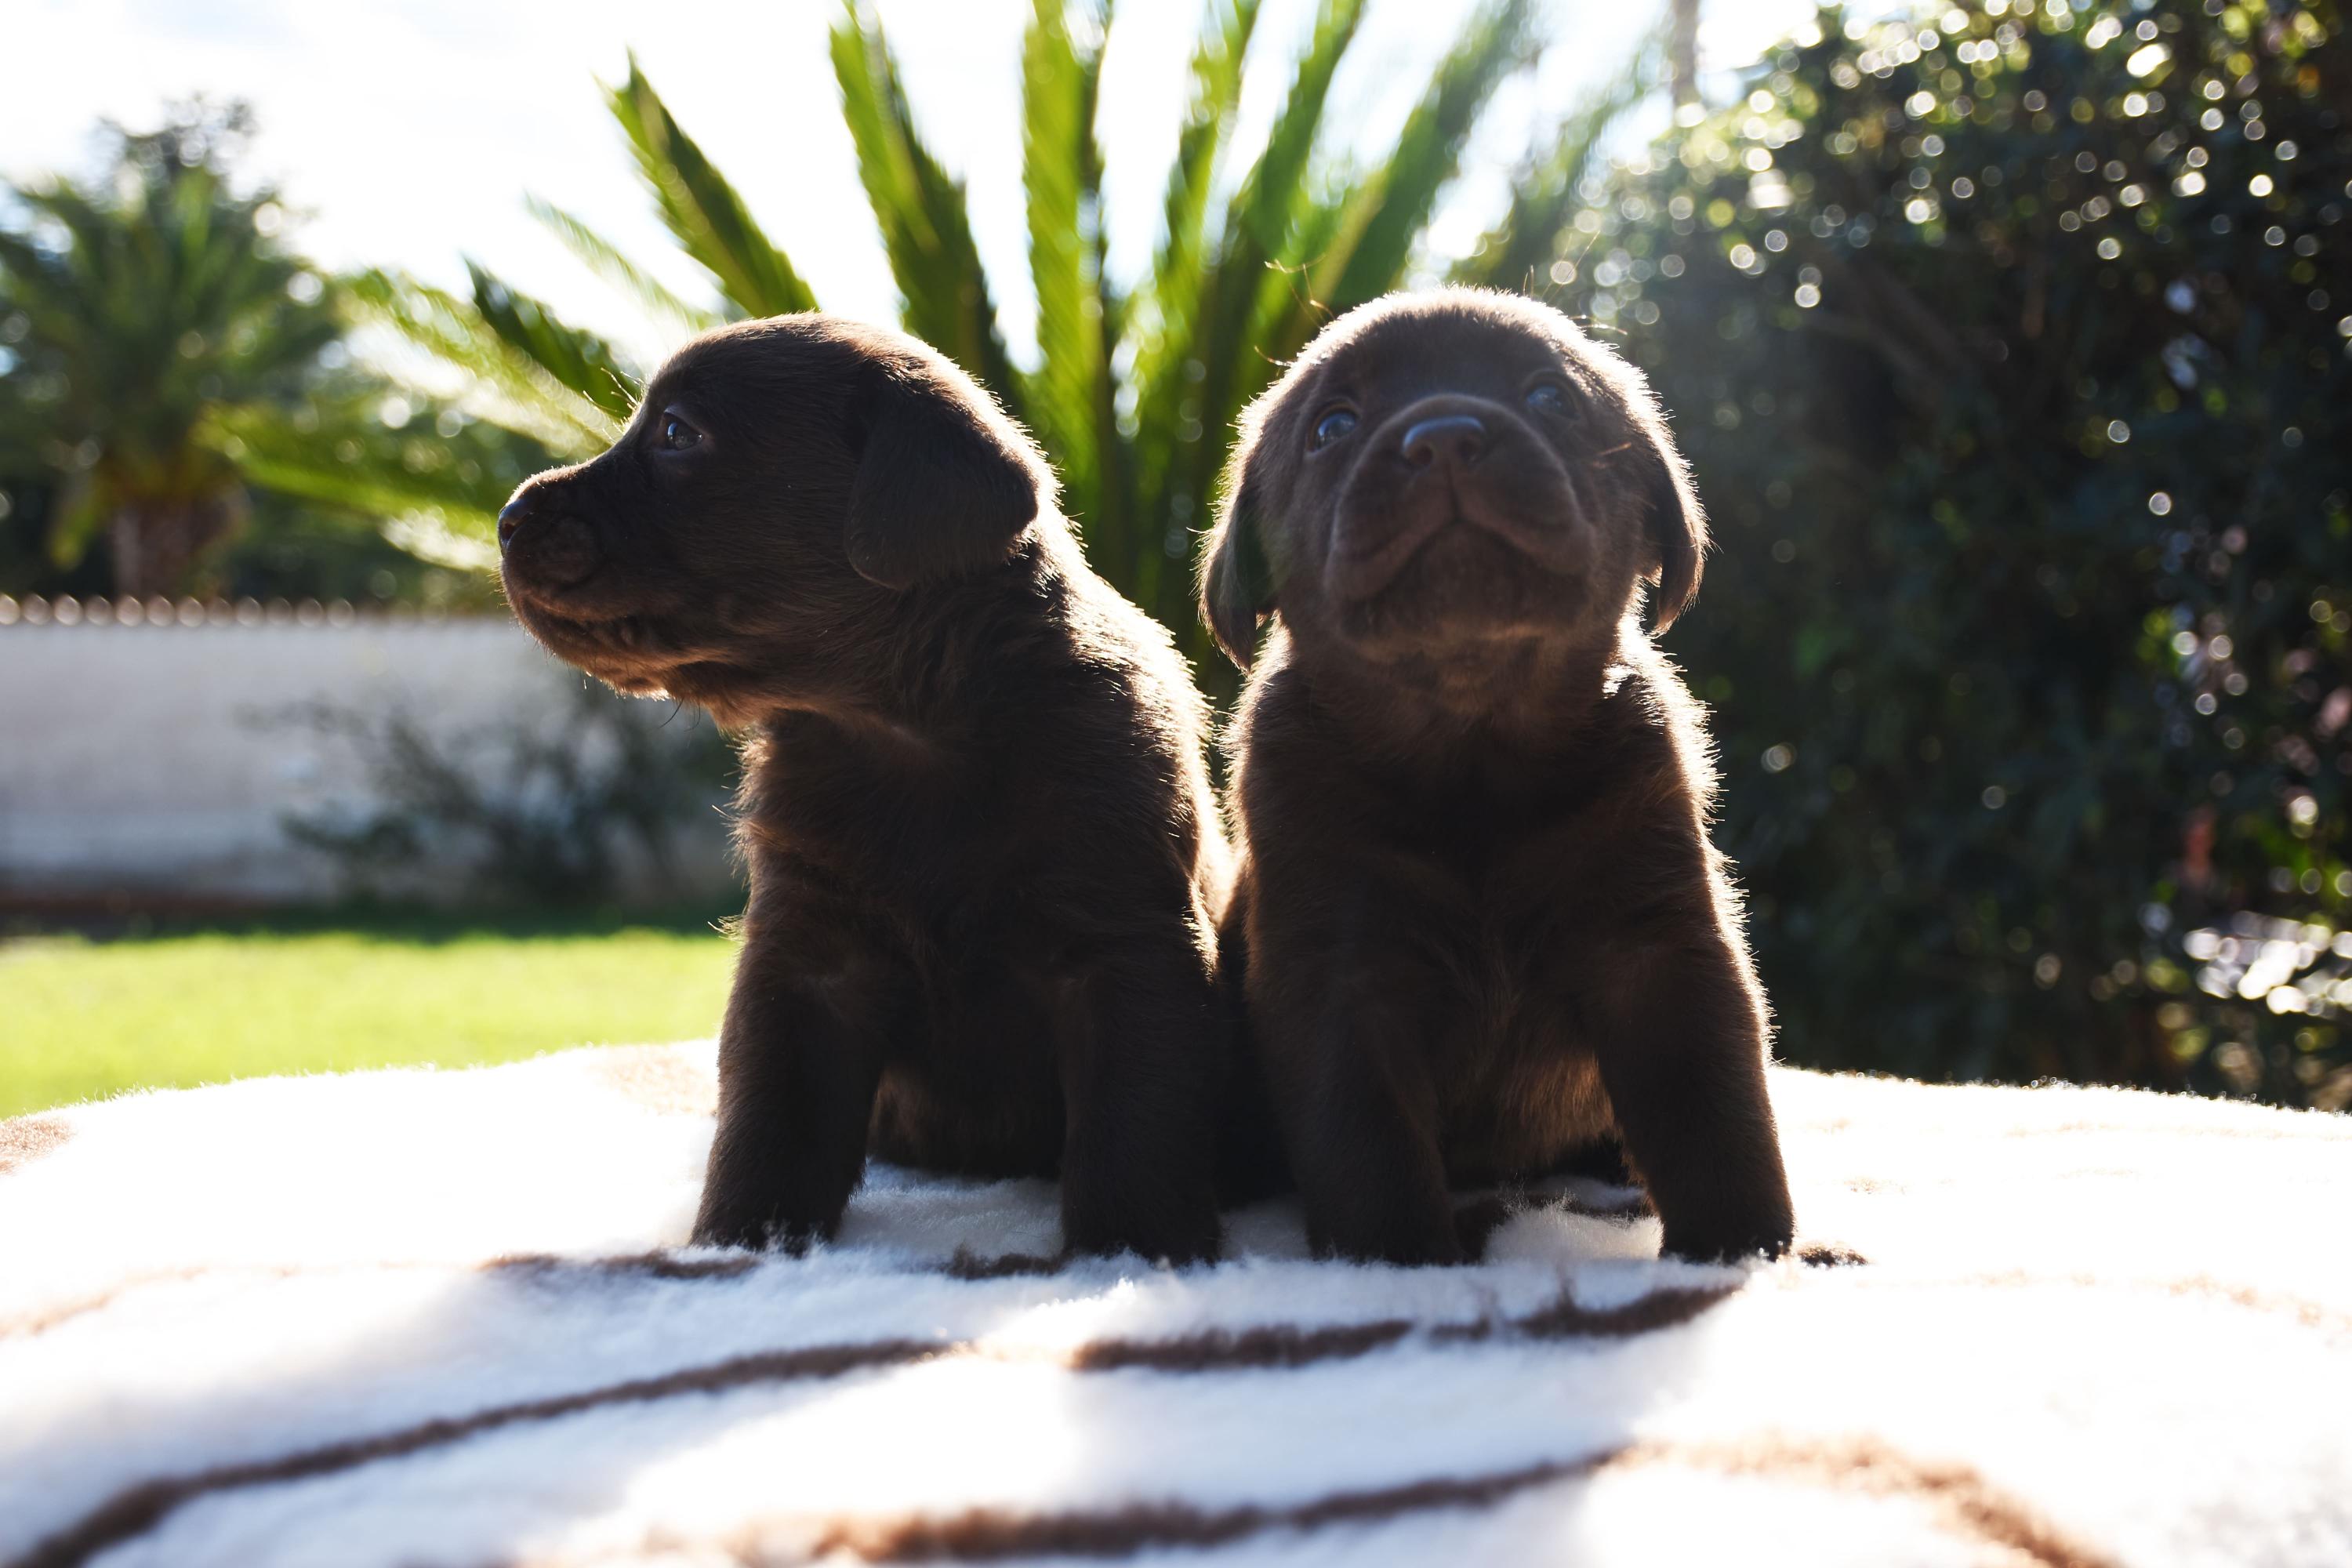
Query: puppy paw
x=1178, y=1243
x=1732, y=1244
x=752, y=1232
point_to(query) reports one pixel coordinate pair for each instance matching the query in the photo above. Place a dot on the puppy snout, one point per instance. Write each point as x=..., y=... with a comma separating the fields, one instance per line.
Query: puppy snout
x=548, y=544
x=1457, y=439
x=511, y=518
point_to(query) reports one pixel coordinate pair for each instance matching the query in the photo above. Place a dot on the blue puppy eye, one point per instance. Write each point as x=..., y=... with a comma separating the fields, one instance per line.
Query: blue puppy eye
x=1547, y=397
x=1333, y=426
x=676, y=436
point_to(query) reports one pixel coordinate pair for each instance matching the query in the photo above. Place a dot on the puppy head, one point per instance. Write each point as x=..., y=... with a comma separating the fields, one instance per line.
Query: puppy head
x=1445, y=473
x=781, y=480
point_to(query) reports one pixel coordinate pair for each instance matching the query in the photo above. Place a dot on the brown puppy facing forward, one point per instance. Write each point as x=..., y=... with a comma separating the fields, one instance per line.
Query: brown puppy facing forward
x=1484, y=927
x=981, y=845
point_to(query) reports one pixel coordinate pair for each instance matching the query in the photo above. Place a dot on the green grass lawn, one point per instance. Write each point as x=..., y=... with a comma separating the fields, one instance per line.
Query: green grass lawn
x=82, y=1018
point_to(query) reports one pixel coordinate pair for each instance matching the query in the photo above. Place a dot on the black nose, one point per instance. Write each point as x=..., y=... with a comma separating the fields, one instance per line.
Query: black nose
x=511, y=516
x=1459, y=438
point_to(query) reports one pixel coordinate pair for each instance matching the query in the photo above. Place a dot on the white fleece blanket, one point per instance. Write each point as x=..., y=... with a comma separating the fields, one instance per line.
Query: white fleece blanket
x=440, y=1320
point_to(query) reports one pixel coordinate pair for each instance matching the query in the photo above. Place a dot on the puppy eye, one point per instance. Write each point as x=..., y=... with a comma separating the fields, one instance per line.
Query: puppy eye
x=1547, y=397
x=1332, y=427
x=674, y=435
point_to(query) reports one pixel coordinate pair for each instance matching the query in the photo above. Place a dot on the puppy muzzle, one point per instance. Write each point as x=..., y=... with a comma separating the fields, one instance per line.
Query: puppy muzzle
x=543, y=543
x=1451, y=463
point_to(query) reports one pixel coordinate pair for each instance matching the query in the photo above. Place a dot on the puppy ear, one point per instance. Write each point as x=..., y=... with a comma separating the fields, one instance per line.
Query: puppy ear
x=1674, y=525
x=945, y=481
x=1236, y=576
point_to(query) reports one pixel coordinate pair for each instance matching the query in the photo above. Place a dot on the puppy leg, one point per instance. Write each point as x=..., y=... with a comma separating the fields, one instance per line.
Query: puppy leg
x=1681, y=1048
x=1342, y=1044
x=798, y=1068
x=1142, y=1042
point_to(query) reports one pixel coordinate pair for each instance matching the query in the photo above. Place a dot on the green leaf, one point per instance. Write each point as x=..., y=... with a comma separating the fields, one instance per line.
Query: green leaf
x=925, y=229
x=1389, y=210
x=709, y=218
x=1188, y=395
x=436, y=485
x=514, y=388
x=580, y=360
x=606, y=260
x=1061, y=68
x=1172, y=298
x=1518, y=251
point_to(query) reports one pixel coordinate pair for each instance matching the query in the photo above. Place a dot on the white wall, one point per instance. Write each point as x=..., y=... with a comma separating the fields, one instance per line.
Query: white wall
x=143, y=758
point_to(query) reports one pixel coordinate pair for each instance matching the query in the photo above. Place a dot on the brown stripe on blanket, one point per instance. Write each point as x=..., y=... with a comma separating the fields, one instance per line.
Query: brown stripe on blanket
x=656, y=1265
x=1961, y=1498
x=532, y=1267
x=968, y=1265
x=136, y=1509
x=1290, y=1345
x=25, y=1139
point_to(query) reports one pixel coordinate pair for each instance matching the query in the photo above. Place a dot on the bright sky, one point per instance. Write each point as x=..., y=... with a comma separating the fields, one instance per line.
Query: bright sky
x=409, y=130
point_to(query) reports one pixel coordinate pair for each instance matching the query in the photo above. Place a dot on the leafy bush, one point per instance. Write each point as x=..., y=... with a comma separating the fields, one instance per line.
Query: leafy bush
x=2010, y=348
x=526, y=813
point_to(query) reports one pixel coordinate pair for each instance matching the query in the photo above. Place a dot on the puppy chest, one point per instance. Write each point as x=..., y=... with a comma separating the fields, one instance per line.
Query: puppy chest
x=1509, y=1052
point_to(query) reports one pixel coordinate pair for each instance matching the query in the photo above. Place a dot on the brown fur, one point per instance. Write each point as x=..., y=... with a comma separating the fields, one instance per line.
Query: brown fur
x=982, y=842
x=1477, y=919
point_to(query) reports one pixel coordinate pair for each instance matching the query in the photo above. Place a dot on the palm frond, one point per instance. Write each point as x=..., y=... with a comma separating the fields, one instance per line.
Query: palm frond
x=607, y=261
x=710, y=219
x=579, y=359
x=1061, y=166
x=926, y=228
x=1389, y=209
x=1172, y=296
x=1262, y=221
x=516, y=391
x=1186, y=401
x=1518, y=251
x=342, y=454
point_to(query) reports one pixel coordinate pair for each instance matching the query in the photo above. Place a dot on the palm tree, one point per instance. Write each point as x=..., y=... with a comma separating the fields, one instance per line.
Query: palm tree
x=160, y=353
x=1136, y=389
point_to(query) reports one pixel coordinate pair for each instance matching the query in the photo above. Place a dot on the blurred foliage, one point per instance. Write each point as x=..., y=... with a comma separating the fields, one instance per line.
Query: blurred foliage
x=532, y=813
x=2010, y=345
x=171, y=376
x=1136, y=389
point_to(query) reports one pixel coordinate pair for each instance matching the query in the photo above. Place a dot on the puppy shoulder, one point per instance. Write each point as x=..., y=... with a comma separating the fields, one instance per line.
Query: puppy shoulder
x=1670, y=723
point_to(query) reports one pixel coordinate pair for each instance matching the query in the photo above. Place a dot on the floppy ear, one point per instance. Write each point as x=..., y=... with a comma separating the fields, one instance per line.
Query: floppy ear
x=1236, y=576
x=945, y=481
x=1674, y=525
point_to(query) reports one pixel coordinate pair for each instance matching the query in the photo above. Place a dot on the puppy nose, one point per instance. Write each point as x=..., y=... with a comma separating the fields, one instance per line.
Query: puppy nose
x=512, y=516
x=1459, y=438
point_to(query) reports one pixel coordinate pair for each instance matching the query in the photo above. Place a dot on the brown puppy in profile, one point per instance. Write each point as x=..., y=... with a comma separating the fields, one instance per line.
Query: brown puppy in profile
x=1483, y=925
x=983, y=847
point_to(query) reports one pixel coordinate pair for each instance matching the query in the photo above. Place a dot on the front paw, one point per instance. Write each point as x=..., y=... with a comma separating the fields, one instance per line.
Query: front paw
x=1179, y=1240
x=1400, y=1244
x=756, y=1230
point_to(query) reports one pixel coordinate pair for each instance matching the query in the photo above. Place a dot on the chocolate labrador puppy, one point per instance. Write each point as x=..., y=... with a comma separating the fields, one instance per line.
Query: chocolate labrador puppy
x=1482, y=924
x=983, y=847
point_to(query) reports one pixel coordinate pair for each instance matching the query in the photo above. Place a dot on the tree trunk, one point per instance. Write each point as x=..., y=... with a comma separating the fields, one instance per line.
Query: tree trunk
x=1682, y=50
x=153, y=545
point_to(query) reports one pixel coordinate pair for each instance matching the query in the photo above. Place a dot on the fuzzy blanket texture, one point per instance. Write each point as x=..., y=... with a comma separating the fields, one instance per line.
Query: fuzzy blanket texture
x=444, y=1319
